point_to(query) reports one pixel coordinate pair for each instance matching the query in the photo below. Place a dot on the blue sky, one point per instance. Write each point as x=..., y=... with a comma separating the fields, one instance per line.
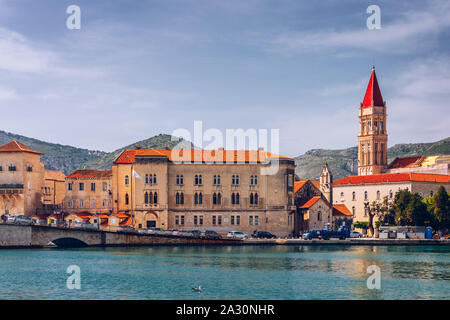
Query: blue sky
x=140, y=68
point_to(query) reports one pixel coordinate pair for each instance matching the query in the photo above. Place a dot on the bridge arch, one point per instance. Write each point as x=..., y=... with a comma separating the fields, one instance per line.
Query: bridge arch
x=69, y=242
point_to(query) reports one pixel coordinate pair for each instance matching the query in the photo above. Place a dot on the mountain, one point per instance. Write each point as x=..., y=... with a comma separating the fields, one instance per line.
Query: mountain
x=68, y=158
x=157, y=142
x=343, y=162
x=56, y=156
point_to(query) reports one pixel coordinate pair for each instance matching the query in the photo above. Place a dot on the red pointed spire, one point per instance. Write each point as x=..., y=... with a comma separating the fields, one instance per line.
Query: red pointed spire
x=373, y=95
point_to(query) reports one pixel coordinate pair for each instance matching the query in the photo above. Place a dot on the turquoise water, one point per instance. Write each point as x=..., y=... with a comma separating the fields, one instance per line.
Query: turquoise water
x=247, y=272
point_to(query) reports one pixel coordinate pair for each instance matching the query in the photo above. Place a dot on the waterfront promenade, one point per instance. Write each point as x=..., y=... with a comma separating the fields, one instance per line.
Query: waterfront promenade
x=17, y=236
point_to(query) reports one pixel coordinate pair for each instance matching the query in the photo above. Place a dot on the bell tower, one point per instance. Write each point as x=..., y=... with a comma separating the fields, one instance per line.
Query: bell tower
x=372, y=138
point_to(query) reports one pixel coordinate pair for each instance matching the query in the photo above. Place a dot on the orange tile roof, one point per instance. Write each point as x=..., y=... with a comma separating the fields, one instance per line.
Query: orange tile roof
x=54, y=175
x=126, y=222
x=194, y=155
x=310, y=202
x=394, y=177
x=299, y=184
x=316, y=183
x=15, y=146
x=341, y=209
x=407, y=162
x=88, y=173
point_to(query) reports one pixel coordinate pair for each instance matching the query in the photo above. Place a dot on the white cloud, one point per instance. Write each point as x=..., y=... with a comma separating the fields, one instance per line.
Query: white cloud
x=7, y=94
x=412, y=30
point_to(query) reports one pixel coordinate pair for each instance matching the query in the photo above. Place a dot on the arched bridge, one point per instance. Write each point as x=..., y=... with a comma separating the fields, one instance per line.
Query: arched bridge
x=40, y=236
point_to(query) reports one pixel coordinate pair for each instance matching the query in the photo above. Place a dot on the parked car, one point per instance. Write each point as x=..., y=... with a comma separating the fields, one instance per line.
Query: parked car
x=342, y=234
x=127, y=229
x=237, y=235
x=174, y=232
x=85, y=225
x=355, y=234
x=263, y=235
x=196, y=233
x=20, y=219
x=211, y=234
x=185, y=233
x=154, y=230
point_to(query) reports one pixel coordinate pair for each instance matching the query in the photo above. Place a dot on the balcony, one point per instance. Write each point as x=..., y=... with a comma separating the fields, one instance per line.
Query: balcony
x=11, y=188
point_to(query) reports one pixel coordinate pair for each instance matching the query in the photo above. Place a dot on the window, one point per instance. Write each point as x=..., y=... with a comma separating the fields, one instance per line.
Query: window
x=177, y=220
x=232, y=220
x=104, y=186
x=238, y=220
x=126, y=180
x=81, y=186
x=81, y=203
x=319, y=216
x=93, y=186
x=127, y=200
x=12, y=167
x=179, y=180
x=182, y=220
x=342, y=196
x=201, y=220
x=198, y=179
x=29, y=168
x=253, y=199
x=216, y=180
x=105, y=203
x=181, y=198
x=391, y=194
x=214, y=198
x=250, y=220
x=154, y=179
x=353, y=211
x=235, y=180
x=177, y=198
x=235, y=198
x=366, y=211
x=256, y=220
x=196, y=198
x=353, y=195
x=1, y=168
x=70, y=203
x=219, y=220
x=253, y=180
x=365, y=195
x=146, y=197
x=195, y=220
x=214, y=220
x=147, y=181
x=69, y=186
x=378, y=195
x=155, y=198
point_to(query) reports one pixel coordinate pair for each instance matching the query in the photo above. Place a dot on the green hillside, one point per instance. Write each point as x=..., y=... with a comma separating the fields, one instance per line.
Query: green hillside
x=57, y=156
x=343, y=162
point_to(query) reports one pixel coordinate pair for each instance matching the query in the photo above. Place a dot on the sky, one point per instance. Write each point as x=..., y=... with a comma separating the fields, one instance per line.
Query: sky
x=136, y=69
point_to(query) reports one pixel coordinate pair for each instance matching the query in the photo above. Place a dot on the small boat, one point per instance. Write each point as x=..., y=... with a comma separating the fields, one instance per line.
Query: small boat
x=198, y=289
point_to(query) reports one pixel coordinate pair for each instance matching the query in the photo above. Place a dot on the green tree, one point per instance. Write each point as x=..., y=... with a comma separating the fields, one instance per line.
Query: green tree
x=440, y=209
x=387, y=213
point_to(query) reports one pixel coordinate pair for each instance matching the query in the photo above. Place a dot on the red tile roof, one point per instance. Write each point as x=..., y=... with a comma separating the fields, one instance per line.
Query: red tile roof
x=341, y=209
x=373, y=95
x=88, y=173
x=15, y=146
x=310, y=202
x=393, y=177
x=128, y=156
x=299, y=184
x=406, y=162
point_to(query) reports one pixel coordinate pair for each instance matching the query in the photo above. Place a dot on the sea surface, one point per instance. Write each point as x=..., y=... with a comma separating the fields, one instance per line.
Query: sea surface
x=227, y=272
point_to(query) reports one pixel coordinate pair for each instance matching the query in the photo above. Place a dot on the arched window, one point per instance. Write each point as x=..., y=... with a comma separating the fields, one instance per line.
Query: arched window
x=237, y=179
x=150, y=197
x=200, y=180
x=378, y=195
x=255, y=180
x=391, y=194
x=146, y=197
x=196, y=180
x=215, y=180
x=353, y=195
x=233, y=180
x=151, y=178
x=342, y=196
x=219, y=198
x=200, y=198
x=255, y=200
x=178, y=179
x=155, y=198
x=214, y=198
x=181, y=179
x=177, y=197
x=251, y=196
x=146, y=178
x=126, y=198
x=181, y=198
x=365, y=195
x=196, y=198
x=126, y=180
x=319, y=216
x=353, y=211
x=237, y=198
x=251, y=180
x=218, y=180
x=233, y=198
x=154, y=179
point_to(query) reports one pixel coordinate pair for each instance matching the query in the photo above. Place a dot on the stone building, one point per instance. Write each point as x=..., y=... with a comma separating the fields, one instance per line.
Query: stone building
x=54, y=190
x=376, y=179
x=205, y=189
x=88, y=191
x=21, y=179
